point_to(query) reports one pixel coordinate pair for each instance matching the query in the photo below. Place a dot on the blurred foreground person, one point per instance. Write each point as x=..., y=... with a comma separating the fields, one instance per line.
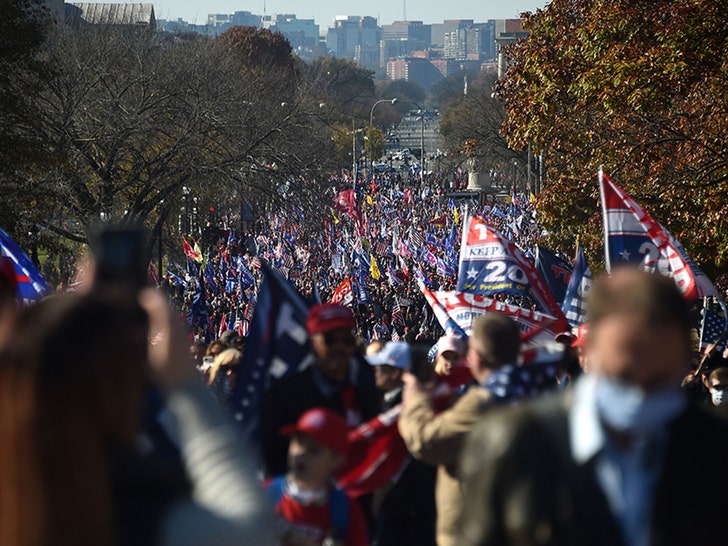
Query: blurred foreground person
x=71, y=386
x=609, y=462
x=311, y=510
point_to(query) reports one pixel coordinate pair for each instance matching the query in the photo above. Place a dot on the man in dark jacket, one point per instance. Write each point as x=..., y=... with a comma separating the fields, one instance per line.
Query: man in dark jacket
x=336, y=380
x=612, y=461
x=406, y=507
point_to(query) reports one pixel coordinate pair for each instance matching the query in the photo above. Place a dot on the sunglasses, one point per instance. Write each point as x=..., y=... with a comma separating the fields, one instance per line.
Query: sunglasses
x=331, y=339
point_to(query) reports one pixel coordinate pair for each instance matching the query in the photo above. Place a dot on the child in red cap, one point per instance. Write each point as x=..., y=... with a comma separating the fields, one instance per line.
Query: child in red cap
x=311, y=509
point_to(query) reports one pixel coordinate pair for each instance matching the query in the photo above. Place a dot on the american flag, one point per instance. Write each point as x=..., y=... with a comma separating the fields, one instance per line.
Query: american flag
x=712, y=326
x=255, y=262
x=417, y=241
x=397, y=317
x=381, y=248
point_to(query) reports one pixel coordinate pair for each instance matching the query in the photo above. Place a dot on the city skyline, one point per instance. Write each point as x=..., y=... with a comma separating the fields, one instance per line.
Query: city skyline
x=323, y=11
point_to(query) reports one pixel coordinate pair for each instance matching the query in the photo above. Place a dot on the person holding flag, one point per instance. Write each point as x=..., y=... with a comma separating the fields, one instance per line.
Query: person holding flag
x=336, y=380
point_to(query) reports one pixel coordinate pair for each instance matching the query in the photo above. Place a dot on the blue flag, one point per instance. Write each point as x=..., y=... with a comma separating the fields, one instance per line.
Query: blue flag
x=244, y=275
x=574, y=304
x=554, y=271
x=277, y=346
x=198, y=316
x=210, y=275
x=360, y=288
x=31, y=284
x=176, y=280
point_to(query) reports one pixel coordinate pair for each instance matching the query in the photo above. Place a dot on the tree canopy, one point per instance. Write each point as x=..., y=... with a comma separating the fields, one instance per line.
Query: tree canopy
x=638, y=86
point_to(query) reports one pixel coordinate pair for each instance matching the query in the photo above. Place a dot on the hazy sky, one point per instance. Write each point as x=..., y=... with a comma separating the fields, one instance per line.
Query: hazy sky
x=323, y=11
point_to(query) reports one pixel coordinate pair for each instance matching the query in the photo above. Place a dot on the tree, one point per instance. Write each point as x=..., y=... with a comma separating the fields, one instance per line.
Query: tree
x=23, y=24
x=640, y=87
x=472, y=126
x=138, y=123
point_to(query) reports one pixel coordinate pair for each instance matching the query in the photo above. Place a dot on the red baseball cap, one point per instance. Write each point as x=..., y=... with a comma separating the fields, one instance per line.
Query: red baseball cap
x=581, y=334
x=327, y=317
x=324, y=426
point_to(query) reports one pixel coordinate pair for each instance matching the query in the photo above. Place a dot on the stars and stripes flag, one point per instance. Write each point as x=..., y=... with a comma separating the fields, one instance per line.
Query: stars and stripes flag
x=713, y=325
x=31, y=284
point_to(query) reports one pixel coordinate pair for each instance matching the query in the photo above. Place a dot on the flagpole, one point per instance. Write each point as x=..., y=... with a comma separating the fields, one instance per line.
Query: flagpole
x=604, y=219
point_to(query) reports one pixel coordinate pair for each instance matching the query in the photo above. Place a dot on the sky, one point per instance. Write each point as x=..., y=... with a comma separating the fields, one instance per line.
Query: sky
x=323, y=11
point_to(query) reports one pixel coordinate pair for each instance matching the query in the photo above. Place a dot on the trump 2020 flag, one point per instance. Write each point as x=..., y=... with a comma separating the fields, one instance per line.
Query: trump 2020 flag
x=31, y=284
x=492, y=264
x=574, y=304
x=277, y=345
x=631, y=235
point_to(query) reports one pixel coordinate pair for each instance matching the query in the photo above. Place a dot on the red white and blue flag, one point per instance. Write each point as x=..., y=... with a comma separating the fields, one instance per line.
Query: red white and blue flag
x=492, y=264
x=31, y=284
x=462, y=309
x=631, y=235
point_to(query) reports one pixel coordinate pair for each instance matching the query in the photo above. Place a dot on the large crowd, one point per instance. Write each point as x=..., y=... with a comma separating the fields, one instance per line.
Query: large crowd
x=119, y=427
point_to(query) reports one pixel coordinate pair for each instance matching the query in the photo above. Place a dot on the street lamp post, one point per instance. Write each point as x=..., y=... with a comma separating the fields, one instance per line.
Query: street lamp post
x=371, y=123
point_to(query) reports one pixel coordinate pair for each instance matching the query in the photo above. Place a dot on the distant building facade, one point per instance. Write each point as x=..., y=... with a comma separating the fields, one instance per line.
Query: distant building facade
x=132, y=15
x=355, y=38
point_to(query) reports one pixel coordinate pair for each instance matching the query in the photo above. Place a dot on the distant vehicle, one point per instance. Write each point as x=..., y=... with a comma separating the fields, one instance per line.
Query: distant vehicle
x=401, y=155
x=383, y=168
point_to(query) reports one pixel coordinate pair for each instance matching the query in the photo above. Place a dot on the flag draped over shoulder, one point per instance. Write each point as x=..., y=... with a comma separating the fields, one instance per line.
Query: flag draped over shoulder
x=492, y=264
x=277, y=345
x=631, y=235
x=554, y=271
x=31, y=284
x=574, y=304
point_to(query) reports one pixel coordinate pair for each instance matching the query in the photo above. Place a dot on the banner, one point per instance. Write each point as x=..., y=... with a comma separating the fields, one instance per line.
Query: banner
x=465, y=308
x=492, y=264
x=631, y=235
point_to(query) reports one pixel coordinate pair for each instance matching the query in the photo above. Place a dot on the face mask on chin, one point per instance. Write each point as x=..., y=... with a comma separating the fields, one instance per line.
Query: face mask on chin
x=630, y=409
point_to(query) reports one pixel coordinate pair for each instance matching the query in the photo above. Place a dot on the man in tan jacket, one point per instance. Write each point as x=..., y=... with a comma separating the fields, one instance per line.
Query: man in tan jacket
x=437, y=438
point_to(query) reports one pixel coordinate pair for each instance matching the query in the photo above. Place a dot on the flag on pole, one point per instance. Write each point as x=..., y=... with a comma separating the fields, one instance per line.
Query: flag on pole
x=631, y=235
x=554, y=271
x=191, y=252
x=574, y=303
x=492, y=264
x=278, y=346
x=31, y=284
x=374, y=268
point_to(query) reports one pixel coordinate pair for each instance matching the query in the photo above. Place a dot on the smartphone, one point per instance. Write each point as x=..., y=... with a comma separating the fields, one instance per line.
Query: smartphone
x=119, y=252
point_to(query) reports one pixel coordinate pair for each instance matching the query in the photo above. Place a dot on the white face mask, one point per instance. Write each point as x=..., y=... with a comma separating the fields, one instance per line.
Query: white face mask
x=628, y=408
x=719, y=396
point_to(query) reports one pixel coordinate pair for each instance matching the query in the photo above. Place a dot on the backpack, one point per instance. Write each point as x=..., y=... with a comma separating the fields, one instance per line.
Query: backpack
x=338, y=505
